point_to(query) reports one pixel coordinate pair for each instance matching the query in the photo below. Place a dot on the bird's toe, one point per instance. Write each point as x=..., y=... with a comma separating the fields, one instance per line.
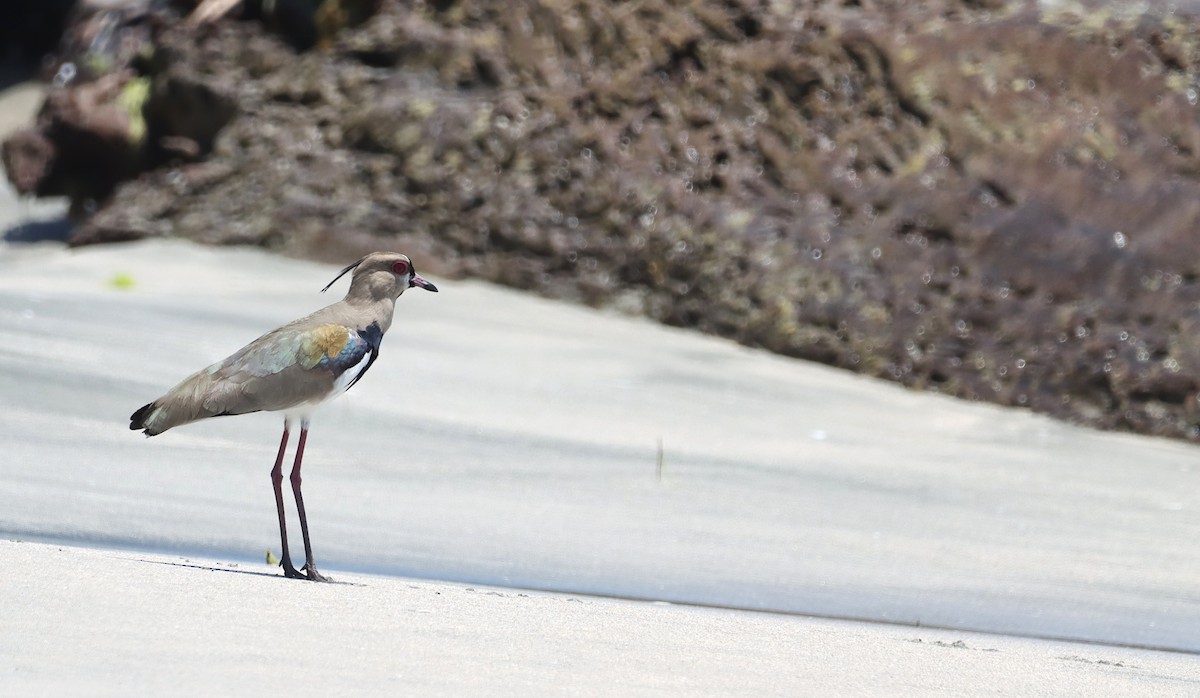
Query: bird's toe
x=291, y=572
x=312, y=574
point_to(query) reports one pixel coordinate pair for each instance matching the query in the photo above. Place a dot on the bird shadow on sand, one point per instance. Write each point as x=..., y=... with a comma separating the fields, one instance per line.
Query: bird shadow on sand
x=54, y=230
x=210, y=568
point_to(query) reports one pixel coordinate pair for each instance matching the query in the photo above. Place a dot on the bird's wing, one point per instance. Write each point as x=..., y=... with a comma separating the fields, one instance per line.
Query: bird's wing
x=291, y=365
x=328, y=349
x=344, y=352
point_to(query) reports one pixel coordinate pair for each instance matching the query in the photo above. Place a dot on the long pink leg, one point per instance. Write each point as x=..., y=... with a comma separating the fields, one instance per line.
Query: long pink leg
x=277, y=481
x=309, y=568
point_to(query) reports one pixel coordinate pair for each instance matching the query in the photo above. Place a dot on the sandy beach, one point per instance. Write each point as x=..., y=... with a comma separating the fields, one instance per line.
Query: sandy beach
x=130, y=623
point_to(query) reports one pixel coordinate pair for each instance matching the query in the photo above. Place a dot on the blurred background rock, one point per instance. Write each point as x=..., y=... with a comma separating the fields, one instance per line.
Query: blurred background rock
x=993, y=199
x=29, y=32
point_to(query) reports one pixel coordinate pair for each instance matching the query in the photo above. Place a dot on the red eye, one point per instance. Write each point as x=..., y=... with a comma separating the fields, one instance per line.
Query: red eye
x=400, y=268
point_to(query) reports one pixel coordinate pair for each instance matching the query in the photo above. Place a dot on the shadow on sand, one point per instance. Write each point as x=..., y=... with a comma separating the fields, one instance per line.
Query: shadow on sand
x=52, y=230
x=210, y=568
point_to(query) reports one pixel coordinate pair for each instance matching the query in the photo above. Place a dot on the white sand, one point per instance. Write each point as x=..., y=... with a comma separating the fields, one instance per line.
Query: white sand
x=97, y=623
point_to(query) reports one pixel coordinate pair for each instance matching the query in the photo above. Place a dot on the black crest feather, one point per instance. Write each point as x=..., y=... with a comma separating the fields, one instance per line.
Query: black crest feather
x=341, y=274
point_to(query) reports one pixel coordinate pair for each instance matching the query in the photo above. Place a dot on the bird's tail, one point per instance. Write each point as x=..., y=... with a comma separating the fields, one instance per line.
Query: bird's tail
x=192, y=399
x=144, y=419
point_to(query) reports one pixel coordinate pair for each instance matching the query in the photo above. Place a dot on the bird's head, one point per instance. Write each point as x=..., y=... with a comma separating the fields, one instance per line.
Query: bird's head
x=382, y=275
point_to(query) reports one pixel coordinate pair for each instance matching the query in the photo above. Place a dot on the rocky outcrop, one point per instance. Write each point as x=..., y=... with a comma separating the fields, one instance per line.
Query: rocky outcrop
x=988, y=199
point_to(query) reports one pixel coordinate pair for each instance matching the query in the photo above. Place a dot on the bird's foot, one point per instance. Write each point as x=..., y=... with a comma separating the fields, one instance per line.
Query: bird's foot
x=290, y=571
x=312, y=574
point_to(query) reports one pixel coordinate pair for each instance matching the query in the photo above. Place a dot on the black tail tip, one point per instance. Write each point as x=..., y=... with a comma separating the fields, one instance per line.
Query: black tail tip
x=137, y=420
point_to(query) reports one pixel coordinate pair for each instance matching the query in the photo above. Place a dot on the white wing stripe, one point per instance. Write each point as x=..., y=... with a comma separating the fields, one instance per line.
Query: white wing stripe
x=342, y=382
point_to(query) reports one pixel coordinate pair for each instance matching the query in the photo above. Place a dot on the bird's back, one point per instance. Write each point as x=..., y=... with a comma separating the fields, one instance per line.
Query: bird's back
x=294, y=367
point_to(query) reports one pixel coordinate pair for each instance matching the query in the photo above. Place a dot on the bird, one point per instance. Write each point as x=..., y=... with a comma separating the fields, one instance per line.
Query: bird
x=293, y=370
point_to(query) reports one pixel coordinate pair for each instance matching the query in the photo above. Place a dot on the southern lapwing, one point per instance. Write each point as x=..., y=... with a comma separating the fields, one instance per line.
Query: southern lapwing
x=293, y=370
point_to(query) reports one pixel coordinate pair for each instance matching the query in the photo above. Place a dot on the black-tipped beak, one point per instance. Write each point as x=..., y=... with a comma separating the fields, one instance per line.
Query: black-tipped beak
x=417, y=280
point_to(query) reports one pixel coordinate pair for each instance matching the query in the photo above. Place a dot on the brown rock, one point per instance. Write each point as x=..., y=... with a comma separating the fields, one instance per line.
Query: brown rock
x=986, y=199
